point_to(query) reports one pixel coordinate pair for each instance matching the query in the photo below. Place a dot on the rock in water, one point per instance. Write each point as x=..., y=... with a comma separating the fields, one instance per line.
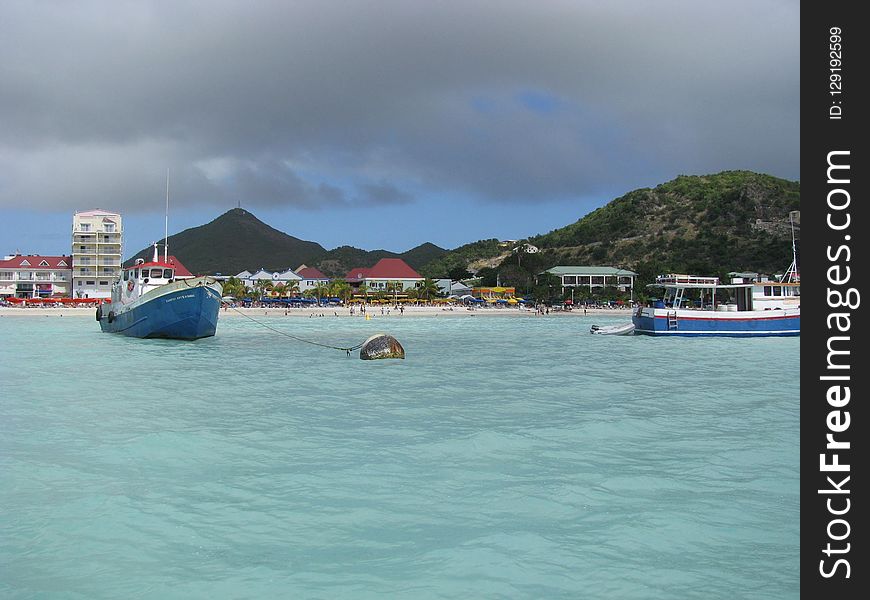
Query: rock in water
x=381, y=345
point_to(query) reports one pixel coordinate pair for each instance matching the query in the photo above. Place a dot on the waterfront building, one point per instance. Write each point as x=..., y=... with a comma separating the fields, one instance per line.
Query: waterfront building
x=451, y=287
x=34, y=276
x=96, y=252
x=591, y=278
x=262, y=276
x=311, y=278
x=384, y=276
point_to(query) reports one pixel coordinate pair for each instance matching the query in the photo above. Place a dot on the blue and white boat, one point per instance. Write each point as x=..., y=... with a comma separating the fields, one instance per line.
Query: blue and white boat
x=150, y=301
x=701, y=306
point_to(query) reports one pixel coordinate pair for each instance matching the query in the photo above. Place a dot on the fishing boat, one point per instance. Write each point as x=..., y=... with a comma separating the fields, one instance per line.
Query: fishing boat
x=750, y=305
x=149, y=301
x=701, y=306
x=153, y=300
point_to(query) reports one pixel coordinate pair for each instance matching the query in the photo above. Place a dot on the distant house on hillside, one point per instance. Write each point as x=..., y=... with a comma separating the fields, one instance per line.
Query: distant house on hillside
x=386, y=271
x=311, y=278
x=593, y=277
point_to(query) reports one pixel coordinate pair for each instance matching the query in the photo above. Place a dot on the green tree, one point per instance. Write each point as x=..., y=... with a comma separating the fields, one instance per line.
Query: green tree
x=340, y=289
x=428, y=289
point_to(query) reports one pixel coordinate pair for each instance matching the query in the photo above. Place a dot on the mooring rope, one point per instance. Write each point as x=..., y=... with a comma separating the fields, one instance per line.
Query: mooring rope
x=297, y=338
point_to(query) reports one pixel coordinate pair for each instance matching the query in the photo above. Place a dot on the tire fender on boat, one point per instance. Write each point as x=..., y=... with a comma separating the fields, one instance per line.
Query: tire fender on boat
x=99, y=313
x=111, y=316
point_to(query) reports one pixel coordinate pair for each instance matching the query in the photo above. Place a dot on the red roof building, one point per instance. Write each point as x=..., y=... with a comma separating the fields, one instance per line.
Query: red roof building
x=386, y=271
x=34, y=276
x=311, y=273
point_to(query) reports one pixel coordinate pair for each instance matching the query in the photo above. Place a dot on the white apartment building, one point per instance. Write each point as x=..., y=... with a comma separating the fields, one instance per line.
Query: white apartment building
x=35, y=276
x=96, y=252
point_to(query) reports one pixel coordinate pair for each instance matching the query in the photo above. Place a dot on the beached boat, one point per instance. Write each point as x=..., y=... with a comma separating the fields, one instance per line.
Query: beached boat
x=701, y=306
x=149, y=301
x=621, y=329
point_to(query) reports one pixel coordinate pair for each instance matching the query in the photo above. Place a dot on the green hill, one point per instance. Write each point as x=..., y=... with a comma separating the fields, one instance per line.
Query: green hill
x=235, y=241
x=711, y=224
x=337, y=262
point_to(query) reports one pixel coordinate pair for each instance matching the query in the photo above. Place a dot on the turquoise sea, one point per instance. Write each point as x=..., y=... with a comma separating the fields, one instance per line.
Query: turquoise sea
x=504, y=458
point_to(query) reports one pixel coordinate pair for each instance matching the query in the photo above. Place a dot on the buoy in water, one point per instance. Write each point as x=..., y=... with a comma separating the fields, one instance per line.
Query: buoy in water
x=381, y=345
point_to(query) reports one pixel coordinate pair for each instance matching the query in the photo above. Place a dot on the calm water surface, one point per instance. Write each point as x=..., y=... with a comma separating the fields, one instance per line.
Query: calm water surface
x=504, y=458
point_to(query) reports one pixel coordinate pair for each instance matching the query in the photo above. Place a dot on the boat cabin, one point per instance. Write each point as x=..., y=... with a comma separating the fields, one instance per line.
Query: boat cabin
x=769, y=293
x=141, y=278
x=687, y=292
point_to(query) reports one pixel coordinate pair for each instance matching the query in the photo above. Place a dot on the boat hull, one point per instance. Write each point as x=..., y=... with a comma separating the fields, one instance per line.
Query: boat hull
x=664, y=322
x=185, y=311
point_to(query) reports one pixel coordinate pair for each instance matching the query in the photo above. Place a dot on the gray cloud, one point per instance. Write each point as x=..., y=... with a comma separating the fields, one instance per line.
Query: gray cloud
x=311, y=104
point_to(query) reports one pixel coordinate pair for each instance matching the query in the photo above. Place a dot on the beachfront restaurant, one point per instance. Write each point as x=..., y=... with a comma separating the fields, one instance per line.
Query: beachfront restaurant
x=592, y=278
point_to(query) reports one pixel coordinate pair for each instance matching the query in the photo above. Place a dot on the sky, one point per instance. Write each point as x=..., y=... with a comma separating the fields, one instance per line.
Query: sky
x=380, y=123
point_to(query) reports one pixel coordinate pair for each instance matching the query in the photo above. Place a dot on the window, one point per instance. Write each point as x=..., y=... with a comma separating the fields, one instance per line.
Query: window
x=104, y=283
x=62, y=264
x=24, y=263
x=43, y=263
x=156, y=273
x=84, y=227
x=777, y=290
x=89, y=282
x=126, y=275
x=167, y=273
x=767, y=290
x=569, y=280
x=109, y=227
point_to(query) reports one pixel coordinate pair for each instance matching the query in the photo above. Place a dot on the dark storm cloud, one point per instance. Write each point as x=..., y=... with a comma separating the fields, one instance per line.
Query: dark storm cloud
x=340, y=103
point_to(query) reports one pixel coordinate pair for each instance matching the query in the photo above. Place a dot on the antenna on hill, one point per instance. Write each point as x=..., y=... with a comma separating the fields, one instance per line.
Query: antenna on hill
x=166, y=222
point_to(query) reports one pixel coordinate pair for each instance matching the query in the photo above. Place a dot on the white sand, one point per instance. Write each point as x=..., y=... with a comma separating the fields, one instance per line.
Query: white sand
x=373, y=311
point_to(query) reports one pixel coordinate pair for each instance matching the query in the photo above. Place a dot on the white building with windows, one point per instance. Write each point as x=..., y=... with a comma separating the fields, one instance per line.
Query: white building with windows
x=96, y=252
x=33, y=276
x=593, y=278
x=260, y=276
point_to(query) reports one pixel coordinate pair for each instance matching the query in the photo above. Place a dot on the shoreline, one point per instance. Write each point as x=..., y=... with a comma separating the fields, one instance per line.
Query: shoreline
x=309, y=312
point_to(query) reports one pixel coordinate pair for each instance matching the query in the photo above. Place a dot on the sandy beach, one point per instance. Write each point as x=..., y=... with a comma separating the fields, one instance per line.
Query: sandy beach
x=311, y=312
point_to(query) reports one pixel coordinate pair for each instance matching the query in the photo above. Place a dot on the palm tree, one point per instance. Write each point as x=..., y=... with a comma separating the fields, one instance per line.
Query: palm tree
x=341, y=289
x=234, y=288
x=364, y=290
x=428, y=288
x=320, y=290
x=291, y=288
x=395, y=287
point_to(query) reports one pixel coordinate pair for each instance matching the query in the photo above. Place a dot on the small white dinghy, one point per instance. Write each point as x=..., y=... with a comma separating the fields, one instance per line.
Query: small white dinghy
x=624, y=329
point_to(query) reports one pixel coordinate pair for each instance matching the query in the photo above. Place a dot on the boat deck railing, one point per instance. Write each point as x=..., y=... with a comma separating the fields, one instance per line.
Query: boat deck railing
x=688, y=279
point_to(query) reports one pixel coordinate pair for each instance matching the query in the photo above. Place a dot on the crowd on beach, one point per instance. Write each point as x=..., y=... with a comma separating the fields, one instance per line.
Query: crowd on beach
x=336, y=309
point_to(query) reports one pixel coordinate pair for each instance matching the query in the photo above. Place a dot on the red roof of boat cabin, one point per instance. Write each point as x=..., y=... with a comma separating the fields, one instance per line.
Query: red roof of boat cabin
x=174, y=263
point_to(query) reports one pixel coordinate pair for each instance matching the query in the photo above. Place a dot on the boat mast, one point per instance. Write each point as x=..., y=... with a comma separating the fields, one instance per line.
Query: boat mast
x=791, y=275
x=166, y=223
